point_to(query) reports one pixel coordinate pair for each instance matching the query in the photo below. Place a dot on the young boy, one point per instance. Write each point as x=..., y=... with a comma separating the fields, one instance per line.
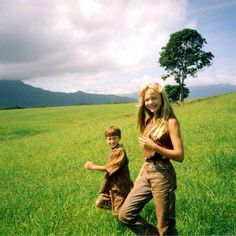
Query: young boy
x=117, y=183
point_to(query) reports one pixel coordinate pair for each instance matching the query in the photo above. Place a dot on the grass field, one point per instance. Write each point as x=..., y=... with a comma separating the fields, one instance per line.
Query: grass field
x=44, y=189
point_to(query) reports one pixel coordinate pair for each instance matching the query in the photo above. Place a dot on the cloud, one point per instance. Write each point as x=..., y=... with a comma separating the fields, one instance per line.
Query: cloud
x=214, y=6
x=86, y=45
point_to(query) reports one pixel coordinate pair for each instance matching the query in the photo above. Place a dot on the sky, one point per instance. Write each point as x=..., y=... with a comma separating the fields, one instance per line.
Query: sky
x=105, y=46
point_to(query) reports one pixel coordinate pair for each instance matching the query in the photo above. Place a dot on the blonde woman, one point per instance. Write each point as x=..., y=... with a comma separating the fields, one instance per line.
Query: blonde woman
x=161, y=142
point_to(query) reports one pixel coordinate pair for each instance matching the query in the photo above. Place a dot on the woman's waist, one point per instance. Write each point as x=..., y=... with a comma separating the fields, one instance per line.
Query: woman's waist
x=158, y=163
x=155, y=157
x=159, y=166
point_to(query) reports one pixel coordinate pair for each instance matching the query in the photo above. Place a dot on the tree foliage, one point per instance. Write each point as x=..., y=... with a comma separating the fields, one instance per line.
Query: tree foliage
x=183, y=56
x=173, y=92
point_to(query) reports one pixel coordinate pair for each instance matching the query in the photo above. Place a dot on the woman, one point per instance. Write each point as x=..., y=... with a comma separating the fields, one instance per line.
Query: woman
x=161, y=142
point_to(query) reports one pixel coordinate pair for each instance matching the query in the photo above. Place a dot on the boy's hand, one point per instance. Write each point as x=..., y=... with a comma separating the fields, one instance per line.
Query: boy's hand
x=89, y=165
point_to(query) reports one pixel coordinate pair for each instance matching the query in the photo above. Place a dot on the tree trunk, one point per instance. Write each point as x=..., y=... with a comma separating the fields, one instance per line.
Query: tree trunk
x=181, y=95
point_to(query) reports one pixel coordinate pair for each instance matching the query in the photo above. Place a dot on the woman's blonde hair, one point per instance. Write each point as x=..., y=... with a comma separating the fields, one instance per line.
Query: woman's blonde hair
x=163, y=114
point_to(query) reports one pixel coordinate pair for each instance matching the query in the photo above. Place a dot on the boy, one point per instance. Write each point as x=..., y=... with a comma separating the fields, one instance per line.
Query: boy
x=117, y=183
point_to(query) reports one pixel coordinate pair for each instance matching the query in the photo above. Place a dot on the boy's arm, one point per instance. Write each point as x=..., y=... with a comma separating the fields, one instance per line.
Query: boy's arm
x=91, y=166
x=119, y=159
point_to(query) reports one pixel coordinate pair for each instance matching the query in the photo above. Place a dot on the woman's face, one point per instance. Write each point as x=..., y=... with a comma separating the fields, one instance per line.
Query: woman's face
x=152, y=101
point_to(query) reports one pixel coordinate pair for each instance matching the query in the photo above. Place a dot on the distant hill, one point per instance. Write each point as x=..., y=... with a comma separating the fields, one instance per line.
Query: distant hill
x=210, y=90
x=201, y=90
x=15, y=93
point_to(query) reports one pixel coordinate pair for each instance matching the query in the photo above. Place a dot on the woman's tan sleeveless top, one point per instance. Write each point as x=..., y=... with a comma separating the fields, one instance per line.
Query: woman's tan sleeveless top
x=164, y=141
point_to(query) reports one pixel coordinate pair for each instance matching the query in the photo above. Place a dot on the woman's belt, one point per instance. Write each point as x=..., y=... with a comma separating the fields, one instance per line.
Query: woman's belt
x=157, y=158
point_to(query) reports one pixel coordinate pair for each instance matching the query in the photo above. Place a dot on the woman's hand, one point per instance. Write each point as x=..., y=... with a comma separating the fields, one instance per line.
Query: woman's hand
x=147, y=143
x=89, y=165
x=176, y=153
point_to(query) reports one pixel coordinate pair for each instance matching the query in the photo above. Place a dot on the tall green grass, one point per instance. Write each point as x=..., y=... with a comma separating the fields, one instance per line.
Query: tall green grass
x=45, y=190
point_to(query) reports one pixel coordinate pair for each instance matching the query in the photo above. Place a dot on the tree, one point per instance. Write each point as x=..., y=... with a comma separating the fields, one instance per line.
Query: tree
x=173, y=92
x=183, y=56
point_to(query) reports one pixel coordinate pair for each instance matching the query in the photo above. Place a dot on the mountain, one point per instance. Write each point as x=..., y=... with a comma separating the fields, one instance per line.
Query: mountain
x=201, y=90
x=15, y=93
x=210, y=90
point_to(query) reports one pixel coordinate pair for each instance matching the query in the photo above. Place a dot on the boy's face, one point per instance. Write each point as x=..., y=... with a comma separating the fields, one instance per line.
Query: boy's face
x=113, y=141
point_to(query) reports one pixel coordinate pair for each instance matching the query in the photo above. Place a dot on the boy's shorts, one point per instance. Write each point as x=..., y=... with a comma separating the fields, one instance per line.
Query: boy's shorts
x=112, y=201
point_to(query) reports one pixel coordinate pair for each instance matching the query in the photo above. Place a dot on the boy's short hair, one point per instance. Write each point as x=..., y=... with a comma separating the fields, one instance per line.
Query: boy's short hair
x=112, y=131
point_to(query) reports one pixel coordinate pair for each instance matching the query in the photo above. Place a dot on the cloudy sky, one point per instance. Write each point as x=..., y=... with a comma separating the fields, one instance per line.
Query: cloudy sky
x=109, y=46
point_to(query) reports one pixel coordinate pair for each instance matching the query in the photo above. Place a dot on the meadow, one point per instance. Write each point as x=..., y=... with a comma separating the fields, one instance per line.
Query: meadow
x=45, y=190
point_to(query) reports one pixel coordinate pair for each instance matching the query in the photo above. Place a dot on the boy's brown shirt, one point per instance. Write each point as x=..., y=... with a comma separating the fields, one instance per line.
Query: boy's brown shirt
x=117, y=176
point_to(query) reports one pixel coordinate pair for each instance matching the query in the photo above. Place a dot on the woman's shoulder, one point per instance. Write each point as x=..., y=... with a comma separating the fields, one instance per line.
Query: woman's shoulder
x=173, y=122
x=173, y=119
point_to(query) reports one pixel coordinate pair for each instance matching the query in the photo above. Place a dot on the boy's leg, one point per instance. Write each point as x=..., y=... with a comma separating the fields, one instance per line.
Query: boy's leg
x=104, y=201
x=116, y=201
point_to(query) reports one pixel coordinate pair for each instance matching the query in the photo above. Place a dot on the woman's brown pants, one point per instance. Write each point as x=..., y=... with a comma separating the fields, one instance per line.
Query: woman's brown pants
x=154, y=182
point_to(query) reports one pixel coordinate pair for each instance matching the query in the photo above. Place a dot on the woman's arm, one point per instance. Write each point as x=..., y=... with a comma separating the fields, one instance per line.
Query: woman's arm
x=177, y=153
x=91, y=166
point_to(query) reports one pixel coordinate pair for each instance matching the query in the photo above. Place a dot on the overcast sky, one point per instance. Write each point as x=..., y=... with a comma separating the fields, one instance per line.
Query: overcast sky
x=109, y=46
